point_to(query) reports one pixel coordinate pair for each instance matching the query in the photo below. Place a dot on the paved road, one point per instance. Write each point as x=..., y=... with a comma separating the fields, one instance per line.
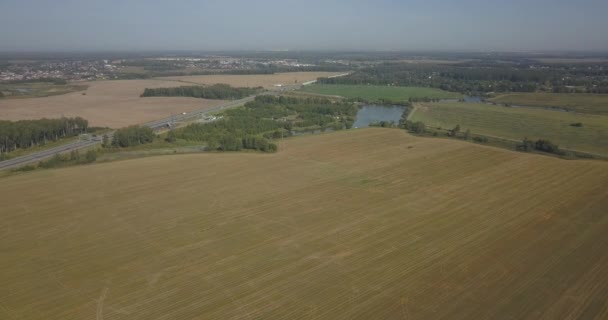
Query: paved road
x=156, y=125
x=166, y=122
x=19, y=161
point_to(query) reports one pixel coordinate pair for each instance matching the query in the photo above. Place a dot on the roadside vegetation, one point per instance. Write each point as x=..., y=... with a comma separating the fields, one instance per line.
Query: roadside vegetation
x=24, y=134
x=267, y=118
x=131, y=136
x=216, y=91
x=256, y=126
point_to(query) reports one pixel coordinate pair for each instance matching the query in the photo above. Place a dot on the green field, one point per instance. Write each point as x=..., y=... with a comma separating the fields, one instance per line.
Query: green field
x=357, y=224
x=374, y=93
x=580, y=102
x=37, y=89
x=517, y=123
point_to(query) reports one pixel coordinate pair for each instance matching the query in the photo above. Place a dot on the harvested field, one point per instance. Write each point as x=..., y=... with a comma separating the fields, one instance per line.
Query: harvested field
x=117, y=103
x=113, y=104
x=267, y=81
x=361, y=224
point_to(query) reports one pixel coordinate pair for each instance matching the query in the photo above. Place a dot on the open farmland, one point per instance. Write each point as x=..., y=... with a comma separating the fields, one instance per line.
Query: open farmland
x=113, y=104
x=579, y=102
x=117, y=103
x=517, y=123
x=267, y=81
x=378, y=92
x=361, y=224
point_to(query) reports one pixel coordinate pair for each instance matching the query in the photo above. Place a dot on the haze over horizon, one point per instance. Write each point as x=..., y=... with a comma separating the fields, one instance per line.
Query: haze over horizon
x=360, y=25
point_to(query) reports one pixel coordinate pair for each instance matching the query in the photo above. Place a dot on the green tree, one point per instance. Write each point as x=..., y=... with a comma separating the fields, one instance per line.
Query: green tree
x=527, y=145
x=467, y=134
x=546, y=146
x=454, y=132
x=75, y=155
x=91, y=156
x=105, y=141
x=132, y=136
x=171, y=137
x=213, y=144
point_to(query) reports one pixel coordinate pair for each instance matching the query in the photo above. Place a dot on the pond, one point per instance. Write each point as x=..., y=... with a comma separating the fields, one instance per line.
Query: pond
x=375, y=113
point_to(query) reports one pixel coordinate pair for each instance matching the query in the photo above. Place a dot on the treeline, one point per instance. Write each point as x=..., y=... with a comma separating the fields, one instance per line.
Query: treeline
x=73, y=158
x=259, y=122
x=28, y=133
x=56, y=81
x=541, y=145
x=216, y=91
x=527, y=145
x=132, y=136
x=477, y=77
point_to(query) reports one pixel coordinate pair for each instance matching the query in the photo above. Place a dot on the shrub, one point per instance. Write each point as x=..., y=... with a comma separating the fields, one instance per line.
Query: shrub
x=480, y=139
x=91, y=156
x=28, y=167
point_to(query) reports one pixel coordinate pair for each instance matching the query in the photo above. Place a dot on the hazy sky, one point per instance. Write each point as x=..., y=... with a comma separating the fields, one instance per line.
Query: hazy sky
x=501, y=25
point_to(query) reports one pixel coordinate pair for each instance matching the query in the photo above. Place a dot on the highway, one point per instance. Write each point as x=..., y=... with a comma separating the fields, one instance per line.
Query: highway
x=19, y=161
x=156, y=125
x=167, y=122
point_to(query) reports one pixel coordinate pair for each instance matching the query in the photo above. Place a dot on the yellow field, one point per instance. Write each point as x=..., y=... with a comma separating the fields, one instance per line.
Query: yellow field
x=267, y=81
x=361, y=224
x=117, y=103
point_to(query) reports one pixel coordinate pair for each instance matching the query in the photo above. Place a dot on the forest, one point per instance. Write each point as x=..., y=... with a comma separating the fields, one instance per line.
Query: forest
x=488, y=77
x=132, y=136
x=216, y=91
x=28, y=133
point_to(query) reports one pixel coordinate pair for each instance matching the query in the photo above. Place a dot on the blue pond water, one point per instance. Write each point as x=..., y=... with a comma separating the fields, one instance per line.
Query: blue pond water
x=374, y=113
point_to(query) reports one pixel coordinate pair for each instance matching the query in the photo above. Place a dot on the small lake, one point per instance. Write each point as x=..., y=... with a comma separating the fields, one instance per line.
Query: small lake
x=375, y=113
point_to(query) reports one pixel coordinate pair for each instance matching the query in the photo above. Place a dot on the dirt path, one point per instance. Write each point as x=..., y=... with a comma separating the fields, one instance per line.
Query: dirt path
x=409, y=116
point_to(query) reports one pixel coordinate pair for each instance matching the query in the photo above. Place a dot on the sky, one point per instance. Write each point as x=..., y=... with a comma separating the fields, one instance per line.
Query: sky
x=356, y=25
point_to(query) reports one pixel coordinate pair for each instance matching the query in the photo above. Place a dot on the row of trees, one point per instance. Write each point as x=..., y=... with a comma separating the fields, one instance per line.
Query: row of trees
x=481, y=77
x=73, y=158
x=132, y=136
x=417, y=127
x=542, y=145
x=216, y=91
x=28, y=133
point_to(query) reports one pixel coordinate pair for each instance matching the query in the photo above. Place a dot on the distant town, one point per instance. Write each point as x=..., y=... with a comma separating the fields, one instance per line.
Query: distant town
x=102, y=69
